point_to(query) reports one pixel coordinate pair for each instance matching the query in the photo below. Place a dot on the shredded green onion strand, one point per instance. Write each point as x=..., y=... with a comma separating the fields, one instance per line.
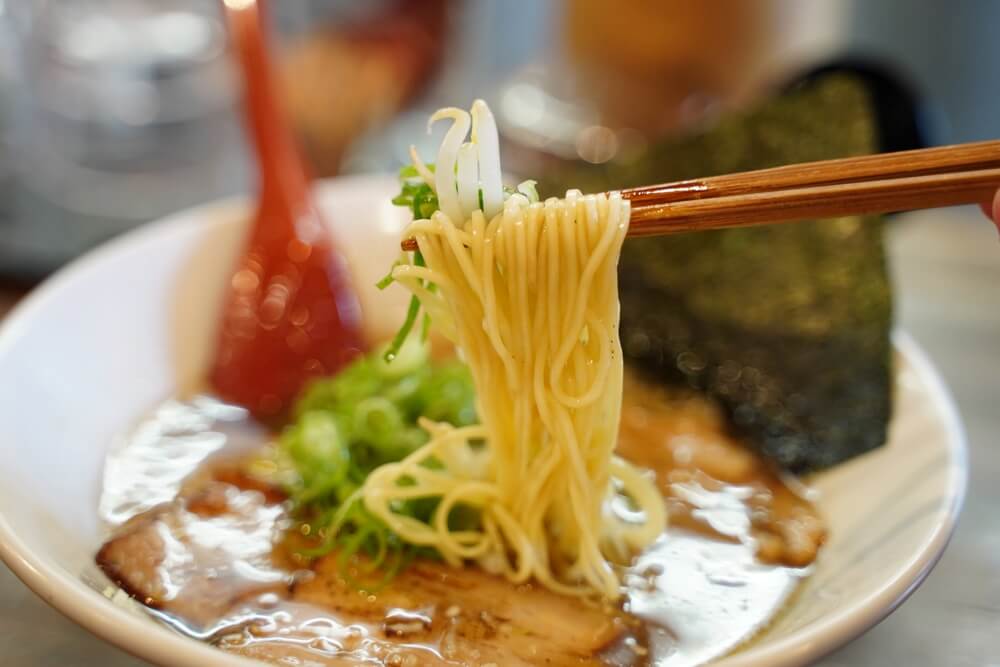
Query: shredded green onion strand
x=411, y=318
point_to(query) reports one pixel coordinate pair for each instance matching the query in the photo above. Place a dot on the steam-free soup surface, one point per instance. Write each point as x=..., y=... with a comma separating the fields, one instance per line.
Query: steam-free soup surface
x=207, y=546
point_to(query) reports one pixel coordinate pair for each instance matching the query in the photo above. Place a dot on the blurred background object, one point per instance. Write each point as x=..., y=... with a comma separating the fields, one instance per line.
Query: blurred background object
x=341, y=79
x=116, y=112
x=123, y=115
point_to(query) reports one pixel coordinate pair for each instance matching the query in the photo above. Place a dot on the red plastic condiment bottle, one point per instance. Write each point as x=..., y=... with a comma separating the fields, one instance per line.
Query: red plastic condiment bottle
x=290, y=313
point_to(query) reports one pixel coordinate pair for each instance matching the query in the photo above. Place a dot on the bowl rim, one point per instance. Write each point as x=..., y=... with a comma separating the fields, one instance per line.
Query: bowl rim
x=87, y=607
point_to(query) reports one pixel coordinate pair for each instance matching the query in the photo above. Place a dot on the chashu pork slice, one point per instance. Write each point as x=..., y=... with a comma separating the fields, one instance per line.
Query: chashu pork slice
x=198, y=555
x=469, y=616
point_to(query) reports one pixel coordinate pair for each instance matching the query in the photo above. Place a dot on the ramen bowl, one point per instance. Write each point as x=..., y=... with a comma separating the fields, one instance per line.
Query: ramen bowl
x=114, y=333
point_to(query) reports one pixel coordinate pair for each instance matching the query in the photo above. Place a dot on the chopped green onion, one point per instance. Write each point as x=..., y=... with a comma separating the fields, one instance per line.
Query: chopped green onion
x=528, y=189
x=387, y=279
x=404, y=331
x=348, y=425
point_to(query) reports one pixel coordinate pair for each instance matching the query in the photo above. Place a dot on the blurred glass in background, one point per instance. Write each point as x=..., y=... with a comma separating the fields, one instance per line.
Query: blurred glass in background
x=116, y=112
x=122, y=114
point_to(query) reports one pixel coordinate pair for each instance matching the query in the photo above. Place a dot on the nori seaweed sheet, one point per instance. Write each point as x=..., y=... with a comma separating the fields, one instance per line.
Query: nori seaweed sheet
x=786, y=326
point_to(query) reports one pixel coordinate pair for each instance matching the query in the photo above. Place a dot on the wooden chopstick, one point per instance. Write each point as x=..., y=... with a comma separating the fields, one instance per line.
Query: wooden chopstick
x=820, y=201
x=924, y=161
x=907, y=180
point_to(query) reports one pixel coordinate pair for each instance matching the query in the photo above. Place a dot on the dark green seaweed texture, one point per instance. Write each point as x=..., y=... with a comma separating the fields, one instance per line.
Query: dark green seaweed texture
x=787, y=326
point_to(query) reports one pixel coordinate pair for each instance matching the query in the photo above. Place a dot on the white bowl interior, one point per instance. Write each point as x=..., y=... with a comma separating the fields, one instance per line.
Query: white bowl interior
x=132, y=323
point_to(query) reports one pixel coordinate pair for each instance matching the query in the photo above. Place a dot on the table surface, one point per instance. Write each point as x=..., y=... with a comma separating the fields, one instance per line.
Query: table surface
x=947, y=270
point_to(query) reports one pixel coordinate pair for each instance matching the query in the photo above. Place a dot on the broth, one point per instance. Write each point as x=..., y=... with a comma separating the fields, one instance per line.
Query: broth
x=208, y=548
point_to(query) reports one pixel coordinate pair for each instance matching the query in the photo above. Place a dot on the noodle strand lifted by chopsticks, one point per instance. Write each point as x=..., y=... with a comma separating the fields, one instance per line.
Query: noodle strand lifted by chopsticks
x=530, y=298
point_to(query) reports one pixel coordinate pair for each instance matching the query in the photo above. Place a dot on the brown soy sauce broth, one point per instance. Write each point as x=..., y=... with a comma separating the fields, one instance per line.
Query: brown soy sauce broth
x=205, y=545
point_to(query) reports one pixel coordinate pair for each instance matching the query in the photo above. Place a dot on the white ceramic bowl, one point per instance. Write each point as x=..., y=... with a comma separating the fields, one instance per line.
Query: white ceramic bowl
x=131, y=323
